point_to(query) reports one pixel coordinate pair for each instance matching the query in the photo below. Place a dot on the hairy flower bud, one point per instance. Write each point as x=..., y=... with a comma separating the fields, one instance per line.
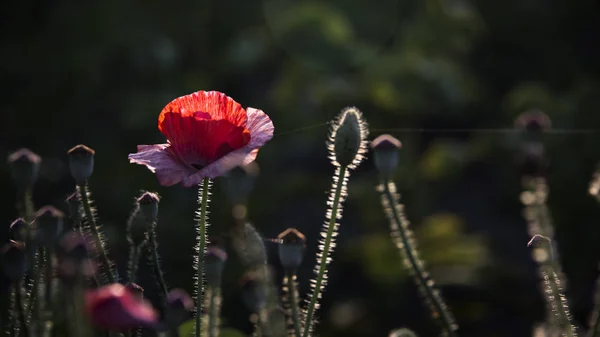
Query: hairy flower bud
x=291, y=248
x=48, y=225
x=81, y=163
x=385, y=152
x=348, y=138
x=18, y=230
x=148, y=203
x=24, y=168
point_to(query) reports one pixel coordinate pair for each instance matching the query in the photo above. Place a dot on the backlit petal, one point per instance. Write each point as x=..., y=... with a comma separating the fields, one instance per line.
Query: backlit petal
x=159, y=159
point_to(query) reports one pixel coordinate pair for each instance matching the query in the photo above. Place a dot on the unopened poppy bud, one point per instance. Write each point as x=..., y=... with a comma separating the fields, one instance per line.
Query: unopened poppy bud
x=48, y=225
x=24, y=168
x=14, y=260
x=179, y=299
x=385, y=153
x=18, y=230
x=533, y=121
x=348, y=138
x=291, y=248
x=240, y=182
x=74, y=207
x=148, y=203
x=75, y=256
x=137, y=228
x=81, y=163
x=214, y=263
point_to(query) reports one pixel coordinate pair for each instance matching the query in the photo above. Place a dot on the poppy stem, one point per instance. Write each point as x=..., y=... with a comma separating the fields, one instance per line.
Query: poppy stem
x=24, y=329
x=402, y=237
x=201, y=229
x=337, y=196
x=155, y=262
x=291, y=300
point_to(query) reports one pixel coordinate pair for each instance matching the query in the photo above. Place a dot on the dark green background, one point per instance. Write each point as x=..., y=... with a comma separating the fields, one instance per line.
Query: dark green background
x=99, y=72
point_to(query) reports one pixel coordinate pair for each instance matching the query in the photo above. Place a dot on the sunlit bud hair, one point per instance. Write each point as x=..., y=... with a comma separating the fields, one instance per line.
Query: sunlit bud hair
x=81, y=163
x=74, y=207
x=48, y=225
x=348, y=138
x=402, y=333
x=14, y=260
x=385, y=153
x=240, y=182
x=291, y=248
x=18, y=230
x=75, y=256
x=136, y=290
x=214, y=263
x=254, y=294
x=24, y=168
x=148, y=203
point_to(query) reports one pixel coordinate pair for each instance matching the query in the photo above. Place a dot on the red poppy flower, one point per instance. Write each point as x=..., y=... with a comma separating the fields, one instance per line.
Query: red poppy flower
x=115, y=307
x=208, y=134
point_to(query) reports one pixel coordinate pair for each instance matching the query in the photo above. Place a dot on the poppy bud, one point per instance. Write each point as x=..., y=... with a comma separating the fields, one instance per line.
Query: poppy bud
x=18, y=230
x=532, y=160
x=254, y=293
x=48, y=225
x=179, y=303
x=74, y=207
x=348, y=137
x=14, y=260
x=135, y=290
x=148, y=203
x=240, y=181
x=214, y=263
x=81, y=163
x=291, y=248
x=385, y=151
x=75, y=257
x=24, y=168
x=402, y=333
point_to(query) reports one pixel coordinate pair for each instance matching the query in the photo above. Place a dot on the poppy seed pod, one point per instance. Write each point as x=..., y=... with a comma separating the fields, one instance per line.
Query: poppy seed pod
x=148, y=203
x=385, y=154
x=24, y=168
x=240, y=182
x=214, y=263
x=81, y=163
x=14, y=260
x=48, y=225
x=18, y=230
x=347, y=141
x=291, y=248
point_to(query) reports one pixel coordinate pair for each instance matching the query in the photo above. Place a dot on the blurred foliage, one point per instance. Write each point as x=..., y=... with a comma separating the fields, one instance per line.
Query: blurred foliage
x=99, y=72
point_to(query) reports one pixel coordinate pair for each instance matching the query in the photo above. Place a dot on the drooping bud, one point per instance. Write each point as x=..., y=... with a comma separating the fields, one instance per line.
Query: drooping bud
x=240, y=182
x=81, y=163
x=74, y=207
x=14, y=260
x=291, y=248
x=48, y=225
x=148, y=202
x=385, y=154
x=24, y=168
x=18, y=230
x=214, y=263
x=348, y=138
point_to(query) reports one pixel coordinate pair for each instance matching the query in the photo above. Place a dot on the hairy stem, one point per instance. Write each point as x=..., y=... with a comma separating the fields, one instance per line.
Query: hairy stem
x=289, y=282
x=134, y=258
x=202, y=241
x=323, y=258
x=155, y=261
x=404, y=241
x=98, y=242
x=19, y=307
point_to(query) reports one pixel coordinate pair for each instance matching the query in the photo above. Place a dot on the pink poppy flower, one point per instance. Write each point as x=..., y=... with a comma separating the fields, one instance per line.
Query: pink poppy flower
x=208, y=134
x=115, y=307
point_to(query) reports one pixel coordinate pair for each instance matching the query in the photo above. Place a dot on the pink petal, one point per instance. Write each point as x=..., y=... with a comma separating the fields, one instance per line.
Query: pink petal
x=160, y=160
x=261, y=131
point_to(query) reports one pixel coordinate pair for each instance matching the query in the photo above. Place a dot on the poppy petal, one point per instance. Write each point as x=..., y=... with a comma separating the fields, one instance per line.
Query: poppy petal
x=159, y=159
x=261, y=131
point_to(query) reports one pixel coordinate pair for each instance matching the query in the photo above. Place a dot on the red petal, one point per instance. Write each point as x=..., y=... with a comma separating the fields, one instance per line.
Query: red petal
x=205, y=105
x=198, y=141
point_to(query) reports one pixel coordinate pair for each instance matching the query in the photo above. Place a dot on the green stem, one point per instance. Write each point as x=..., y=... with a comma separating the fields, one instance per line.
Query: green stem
x=47, y=306
x=310, y=311
x=134, y=258
x=413, y=260
x=293, y=298
x=85, y=202
x=19, y=307
x=201, y=248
